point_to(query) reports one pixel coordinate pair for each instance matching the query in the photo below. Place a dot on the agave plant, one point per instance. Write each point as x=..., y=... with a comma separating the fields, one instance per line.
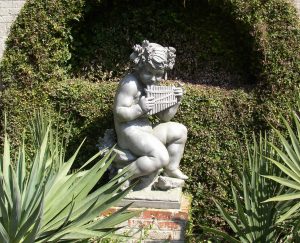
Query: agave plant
x=253, y=221
x=289, y=163
x=51, y=204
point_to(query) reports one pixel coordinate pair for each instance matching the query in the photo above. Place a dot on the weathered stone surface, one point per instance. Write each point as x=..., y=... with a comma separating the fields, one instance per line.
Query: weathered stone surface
x=166, y=183
x=154, y=199
x=297, y=5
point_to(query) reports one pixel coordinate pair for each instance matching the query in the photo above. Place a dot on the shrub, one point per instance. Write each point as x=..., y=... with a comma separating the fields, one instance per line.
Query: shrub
x=253, y=220
x=38, y=45
x=273, y=32
x=81, y=36
x=266, y=194
x=288, y=164
x=50, y=203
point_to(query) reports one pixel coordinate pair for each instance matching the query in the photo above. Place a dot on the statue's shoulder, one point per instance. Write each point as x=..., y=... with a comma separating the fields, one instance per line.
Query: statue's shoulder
x=129, y=84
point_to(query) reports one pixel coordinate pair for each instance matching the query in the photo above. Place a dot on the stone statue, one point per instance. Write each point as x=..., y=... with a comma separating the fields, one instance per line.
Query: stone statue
x=147, y=149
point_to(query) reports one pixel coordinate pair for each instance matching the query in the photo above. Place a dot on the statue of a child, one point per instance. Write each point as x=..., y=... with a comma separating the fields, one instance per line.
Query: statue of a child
x=156, y=147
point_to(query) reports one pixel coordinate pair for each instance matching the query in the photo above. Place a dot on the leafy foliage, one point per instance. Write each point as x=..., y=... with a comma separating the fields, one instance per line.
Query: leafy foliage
x=50, y=203
x=289, y=163
x=270, y=190
x=274, y=32
x=103, y=40
x=231, y=43
x=38, y=46
x=253, y=221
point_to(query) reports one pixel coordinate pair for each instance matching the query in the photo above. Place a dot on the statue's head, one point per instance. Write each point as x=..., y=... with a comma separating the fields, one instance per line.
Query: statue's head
x=152, y=61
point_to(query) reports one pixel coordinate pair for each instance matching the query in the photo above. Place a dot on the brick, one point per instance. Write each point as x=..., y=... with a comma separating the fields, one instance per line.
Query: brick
x=7, y=19
x=155, y=225
x=5, y=11
x=6, y=4
x=18, y=4
x=140, y=223
x=108, y=212
x=2, y=40
x=157, y=214
x=3, y=29
x=170, y=225
x=14, y=11
x=178, y=235
x=181, y=216
x=160, y=235
x=132, y=233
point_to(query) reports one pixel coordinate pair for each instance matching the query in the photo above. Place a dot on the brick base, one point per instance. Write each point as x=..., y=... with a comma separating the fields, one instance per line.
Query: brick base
x=156, y=225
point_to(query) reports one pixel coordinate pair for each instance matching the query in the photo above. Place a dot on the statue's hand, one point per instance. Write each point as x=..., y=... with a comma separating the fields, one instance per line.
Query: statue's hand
x=146, y=104
x=178, y=92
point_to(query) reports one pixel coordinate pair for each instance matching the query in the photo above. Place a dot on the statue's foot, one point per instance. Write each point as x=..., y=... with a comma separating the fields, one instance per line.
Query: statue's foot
x=175, y=174
x=126, y=183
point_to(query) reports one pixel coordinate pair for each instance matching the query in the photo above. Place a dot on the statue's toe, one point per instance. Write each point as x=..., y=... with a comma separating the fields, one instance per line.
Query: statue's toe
x=177, y=173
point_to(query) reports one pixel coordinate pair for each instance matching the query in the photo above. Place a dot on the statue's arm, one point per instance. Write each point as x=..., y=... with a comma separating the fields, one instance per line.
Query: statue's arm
x=168, y=114
x=126, y=109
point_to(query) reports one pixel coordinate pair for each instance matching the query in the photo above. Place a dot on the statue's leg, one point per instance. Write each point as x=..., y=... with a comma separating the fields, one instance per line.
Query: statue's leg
x=151, y=152
x=174, y=136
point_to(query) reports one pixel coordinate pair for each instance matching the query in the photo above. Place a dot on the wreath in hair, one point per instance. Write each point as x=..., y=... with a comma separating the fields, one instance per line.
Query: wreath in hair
x=144, y=53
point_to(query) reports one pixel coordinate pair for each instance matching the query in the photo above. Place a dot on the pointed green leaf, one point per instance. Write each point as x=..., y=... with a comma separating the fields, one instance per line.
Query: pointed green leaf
x=241, y=214
x=4, y=237
x=114, y=219
x=227, y=217
x=284, y=197
x=295, y=154
x=16, y=209
x=221, y=234
x=289, y=213
x=31, y=220
x=285, y=182
x=290, y=163
x=33, y=234
x=286, y=170
x=6, y=161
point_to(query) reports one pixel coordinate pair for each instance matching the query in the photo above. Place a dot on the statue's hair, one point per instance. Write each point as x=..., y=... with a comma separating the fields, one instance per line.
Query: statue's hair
x=154, y=54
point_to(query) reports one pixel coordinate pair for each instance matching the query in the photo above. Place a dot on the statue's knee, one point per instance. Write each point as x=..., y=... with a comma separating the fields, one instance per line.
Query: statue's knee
x=162, y=156
x=179, y=132
x=183, y=130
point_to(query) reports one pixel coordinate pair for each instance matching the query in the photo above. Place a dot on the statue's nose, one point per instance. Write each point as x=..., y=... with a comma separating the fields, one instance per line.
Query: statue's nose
x=153, y=78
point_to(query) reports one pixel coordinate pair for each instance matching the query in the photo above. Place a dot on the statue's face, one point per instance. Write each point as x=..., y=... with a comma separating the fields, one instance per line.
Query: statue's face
x=149, y=75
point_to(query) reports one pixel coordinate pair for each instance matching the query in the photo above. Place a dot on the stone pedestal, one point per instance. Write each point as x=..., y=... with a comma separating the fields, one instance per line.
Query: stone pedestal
x=170, y=199
x=157, y=224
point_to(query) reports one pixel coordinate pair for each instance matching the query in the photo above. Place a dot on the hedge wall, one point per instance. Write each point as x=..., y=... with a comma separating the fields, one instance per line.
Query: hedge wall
x=275, y=58
x=38, y=44
x=241, y=56
x=56, y=39
x=217, y=120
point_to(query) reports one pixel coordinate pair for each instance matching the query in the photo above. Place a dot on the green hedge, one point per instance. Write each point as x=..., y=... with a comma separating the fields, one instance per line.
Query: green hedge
x=38, y=44
x=217, y=121
x=275, y=36
x=253, y=56
x=57, y=39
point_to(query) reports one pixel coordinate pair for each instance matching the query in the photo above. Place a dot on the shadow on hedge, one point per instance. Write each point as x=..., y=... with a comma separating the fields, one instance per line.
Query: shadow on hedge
x=210, y=49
